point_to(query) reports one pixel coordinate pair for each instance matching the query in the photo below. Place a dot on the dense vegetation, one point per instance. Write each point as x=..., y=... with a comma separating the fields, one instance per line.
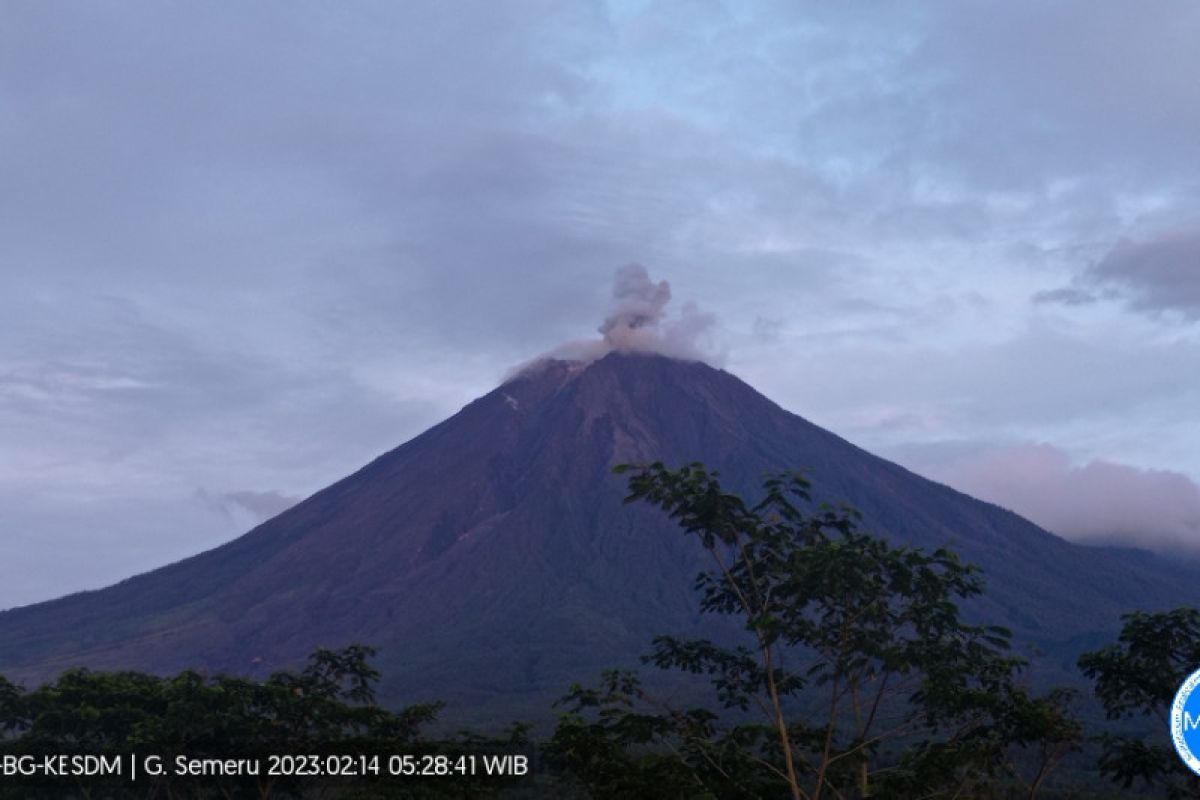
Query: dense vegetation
x=326, y=713
x=857, y=677
x=1138, y=677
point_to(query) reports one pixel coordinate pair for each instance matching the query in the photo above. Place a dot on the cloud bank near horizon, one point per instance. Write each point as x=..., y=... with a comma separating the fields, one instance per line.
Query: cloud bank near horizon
x=1097, y=502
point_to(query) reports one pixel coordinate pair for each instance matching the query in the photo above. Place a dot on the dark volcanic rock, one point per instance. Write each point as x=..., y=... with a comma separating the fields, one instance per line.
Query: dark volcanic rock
x=492, y=561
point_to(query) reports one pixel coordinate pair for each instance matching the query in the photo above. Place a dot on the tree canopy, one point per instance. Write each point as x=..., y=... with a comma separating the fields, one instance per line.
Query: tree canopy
x=325, y=709
x=846, y=670
x=1137, y=677
x=856, y=676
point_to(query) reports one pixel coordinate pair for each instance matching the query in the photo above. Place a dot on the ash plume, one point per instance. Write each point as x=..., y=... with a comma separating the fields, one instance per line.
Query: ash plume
x=641, y=304
x=638, y=322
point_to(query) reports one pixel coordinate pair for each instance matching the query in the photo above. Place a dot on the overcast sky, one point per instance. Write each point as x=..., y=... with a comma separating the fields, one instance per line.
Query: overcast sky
x=246, y=247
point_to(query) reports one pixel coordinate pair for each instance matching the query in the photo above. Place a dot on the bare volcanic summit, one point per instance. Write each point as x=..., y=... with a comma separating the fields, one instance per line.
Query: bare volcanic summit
x=492, y=561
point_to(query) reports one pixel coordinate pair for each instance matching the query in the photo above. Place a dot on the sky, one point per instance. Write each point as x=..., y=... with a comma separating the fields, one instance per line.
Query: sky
x=245, y=248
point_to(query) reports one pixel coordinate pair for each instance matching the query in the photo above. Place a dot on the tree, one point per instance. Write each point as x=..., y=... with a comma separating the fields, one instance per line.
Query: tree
x=327, y=707
x=10, y=708
x=1137, y=677
x=862, y=676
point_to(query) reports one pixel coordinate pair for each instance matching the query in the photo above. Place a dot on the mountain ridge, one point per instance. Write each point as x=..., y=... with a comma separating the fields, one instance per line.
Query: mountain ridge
x=493, y=561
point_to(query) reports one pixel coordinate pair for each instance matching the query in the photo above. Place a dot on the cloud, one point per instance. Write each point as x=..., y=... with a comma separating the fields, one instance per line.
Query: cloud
x=1067, y=296
x=1099, y=501
x=1044, y=378
x=243, y=509
x=262, y=505
x=59, y=539
x=340, y=219
x=1098, y=90
x=1156, y=274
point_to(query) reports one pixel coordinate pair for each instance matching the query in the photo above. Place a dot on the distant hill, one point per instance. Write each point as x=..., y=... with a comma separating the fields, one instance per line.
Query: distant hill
x=492, y=561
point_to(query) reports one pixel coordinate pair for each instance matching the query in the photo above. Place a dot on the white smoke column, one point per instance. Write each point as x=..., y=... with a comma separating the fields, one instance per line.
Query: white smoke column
x=640, y=306
x=638, y=323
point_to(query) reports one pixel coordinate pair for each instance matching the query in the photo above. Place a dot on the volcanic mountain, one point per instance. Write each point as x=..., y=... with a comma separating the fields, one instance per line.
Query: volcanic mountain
x=492, y=561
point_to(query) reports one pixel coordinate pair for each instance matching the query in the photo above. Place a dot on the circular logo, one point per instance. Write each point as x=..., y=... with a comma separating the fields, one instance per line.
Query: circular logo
x=1185, y=722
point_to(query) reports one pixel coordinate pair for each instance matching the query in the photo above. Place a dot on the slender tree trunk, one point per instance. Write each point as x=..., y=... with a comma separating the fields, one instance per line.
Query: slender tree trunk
x=781, y=724
x=833, y=702
x=785, y=741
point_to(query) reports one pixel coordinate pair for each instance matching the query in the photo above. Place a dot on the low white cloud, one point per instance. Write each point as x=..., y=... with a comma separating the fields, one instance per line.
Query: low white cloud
x=244, y=508
x=1098, y=501
x=262, y=505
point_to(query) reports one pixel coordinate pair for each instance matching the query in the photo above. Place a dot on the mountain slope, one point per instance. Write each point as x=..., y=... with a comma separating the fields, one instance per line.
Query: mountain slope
x=493, y=562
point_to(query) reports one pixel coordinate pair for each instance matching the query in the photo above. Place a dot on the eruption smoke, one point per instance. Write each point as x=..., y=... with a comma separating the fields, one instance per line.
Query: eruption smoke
x=640, y=305
x=638, y=323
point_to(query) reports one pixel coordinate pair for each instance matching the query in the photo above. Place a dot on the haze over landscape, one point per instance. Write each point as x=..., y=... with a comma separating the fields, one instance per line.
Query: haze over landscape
x=245, y=251
x=492, y=560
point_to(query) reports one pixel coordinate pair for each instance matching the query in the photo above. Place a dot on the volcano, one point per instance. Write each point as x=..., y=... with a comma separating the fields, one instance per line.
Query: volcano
x=493, y=563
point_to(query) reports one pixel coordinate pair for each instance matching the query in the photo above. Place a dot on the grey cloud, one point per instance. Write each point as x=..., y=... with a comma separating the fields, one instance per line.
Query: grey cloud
x=1066, y=296
x=60, y=539
x=1157, y=274
x=541, y=155
x=242, y=503
x=218, y=227
x=1040, y=377
x=1099, y=501
x=1083, y=89
x=1154, y=274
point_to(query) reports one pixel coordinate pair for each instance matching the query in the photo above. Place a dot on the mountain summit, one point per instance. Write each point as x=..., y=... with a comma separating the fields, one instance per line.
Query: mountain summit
x=493, y=562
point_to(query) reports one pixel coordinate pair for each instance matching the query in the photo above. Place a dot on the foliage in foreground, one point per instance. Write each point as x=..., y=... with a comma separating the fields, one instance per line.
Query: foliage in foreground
x=1137, y=677
x=857, y=677
x=327, y=708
